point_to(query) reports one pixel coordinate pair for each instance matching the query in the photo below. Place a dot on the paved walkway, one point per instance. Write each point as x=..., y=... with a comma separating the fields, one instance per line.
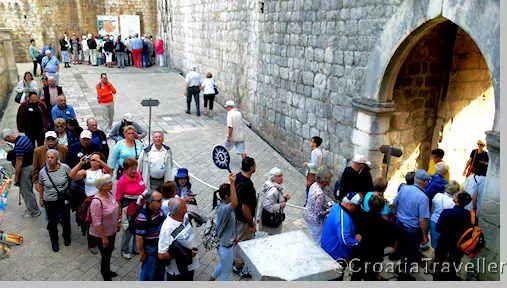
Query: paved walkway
x=191, y=138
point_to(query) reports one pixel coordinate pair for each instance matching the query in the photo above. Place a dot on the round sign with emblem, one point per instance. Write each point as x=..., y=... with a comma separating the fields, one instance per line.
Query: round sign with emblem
x=221, y=157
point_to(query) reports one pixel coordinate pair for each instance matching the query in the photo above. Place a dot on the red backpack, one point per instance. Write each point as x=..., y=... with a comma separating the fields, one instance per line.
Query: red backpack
x=83, y=212
x=472, y=240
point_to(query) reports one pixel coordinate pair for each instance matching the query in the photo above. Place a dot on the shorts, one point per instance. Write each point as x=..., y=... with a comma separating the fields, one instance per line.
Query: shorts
x=240, y=146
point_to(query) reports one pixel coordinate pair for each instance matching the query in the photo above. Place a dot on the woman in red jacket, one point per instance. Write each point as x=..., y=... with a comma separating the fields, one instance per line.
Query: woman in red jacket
x=159, y=50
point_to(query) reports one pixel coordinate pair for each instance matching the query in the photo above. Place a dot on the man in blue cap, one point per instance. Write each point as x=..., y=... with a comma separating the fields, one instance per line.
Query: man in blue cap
x=412, y=212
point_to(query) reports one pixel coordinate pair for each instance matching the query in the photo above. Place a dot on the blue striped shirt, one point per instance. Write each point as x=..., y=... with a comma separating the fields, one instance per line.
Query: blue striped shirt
x=24, y=150
x=149, y=229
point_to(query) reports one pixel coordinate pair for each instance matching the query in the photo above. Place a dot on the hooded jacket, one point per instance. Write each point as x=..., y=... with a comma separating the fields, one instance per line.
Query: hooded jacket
x=338, y=236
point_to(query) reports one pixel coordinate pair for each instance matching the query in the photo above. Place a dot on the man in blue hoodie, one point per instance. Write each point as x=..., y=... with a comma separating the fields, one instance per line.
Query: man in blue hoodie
x=339, y=235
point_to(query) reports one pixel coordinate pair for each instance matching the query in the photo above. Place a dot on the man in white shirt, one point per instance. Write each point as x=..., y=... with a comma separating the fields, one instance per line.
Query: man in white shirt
x=193, y=84
x=235, y=130
x=155, y=163
x=315, y=162
x=176, y=227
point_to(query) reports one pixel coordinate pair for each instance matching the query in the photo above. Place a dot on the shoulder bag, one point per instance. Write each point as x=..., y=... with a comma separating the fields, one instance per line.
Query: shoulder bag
x=269, y=219
x=66, y=194
x=119, y=170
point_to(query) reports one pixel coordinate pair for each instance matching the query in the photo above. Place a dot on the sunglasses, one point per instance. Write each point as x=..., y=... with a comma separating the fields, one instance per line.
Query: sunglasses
x=59, y=126
x=158, y=201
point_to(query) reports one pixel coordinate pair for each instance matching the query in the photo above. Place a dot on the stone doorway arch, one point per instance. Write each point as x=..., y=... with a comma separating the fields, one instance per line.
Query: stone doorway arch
x=475, y=21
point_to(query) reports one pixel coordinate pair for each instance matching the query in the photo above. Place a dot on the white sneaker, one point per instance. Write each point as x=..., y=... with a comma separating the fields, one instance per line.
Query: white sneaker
x=127, y=256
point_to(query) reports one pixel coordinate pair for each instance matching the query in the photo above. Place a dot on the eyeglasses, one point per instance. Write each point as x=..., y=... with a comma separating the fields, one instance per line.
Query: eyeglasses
x=60, y=126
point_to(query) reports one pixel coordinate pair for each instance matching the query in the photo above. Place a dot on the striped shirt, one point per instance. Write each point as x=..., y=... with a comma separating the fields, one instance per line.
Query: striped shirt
x=61, y=179
x=24, y=150
x=149, y=229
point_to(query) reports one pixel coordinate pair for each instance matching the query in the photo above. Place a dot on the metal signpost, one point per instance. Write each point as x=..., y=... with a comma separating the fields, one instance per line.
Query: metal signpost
x=150, y=103
x=389, y=151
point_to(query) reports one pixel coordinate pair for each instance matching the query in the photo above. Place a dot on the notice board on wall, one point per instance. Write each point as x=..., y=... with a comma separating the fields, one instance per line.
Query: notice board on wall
x=129, y=25
x=107, y=25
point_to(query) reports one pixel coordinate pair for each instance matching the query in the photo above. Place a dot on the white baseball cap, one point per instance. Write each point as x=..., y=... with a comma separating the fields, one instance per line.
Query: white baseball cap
x=128, y=117
x=229, y=103
x=86, y=134
x=361, y=159
x=50, y=134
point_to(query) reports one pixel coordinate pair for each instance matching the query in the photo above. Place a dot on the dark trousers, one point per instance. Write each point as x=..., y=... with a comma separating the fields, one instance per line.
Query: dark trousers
x=209, y=98
x=53, y=209
x=187, y=276
x=105, y=253
x=35, y=65
x=36, y=136
x=446, y=253
x=193, y=92
x=145, y=59
x=408, y=244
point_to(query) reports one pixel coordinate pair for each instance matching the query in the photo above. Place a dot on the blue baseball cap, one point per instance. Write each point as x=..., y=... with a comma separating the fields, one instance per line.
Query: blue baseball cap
x=182, y=173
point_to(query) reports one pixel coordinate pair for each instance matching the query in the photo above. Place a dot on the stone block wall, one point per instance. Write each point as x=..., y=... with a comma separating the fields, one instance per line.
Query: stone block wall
x=294, y=66
x=220, y=37
x=8, y=70
x=47, y=20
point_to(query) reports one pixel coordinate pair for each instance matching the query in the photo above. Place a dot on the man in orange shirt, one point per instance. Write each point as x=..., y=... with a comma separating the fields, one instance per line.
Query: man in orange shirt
x=105, y=96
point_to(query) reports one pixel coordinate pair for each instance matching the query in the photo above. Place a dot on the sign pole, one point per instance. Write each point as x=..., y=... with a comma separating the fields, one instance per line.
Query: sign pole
x=149, y=128
x=149, y=103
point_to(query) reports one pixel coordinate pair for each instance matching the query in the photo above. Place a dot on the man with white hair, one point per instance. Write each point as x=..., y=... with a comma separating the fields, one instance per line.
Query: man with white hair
x=175, y=235
x=49, y=95
x=235, y=129
x=22, y=161
x=155, y=163
x=355, y=178
x=50, y=65
x=193, y=85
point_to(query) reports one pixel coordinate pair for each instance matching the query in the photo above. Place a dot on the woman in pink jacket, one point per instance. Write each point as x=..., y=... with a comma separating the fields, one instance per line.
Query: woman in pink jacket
x=159, y=50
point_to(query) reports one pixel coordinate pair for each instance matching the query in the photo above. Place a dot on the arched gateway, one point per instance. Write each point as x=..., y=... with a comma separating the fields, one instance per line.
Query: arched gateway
x=433, y=82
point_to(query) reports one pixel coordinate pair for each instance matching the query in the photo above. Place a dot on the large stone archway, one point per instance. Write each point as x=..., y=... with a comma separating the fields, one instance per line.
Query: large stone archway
x=478, y=20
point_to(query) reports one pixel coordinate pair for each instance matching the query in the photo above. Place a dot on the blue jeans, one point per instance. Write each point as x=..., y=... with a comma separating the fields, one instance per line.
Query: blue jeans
x=151, y=269
x=224, y=268
x=434, y=234
x=145, y=59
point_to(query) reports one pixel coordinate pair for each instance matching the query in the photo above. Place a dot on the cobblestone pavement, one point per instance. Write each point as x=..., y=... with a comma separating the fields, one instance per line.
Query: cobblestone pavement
x=191, y=138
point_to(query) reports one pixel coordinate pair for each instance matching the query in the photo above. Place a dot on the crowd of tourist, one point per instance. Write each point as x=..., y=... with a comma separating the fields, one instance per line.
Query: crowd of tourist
x=82, y=48
x=132, y=188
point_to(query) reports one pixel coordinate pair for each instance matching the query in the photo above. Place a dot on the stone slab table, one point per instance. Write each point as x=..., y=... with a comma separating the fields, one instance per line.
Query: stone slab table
x=290, y=256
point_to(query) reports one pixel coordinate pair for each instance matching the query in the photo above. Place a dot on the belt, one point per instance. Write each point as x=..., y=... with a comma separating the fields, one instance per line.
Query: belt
x=228, y=246
x=158, y=179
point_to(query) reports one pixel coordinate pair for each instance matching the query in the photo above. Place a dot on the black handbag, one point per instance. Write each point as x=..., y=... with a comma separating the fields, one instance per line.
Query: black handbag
x=18, y=97
x=216, y=91
x=272, y=219
x=66, y=194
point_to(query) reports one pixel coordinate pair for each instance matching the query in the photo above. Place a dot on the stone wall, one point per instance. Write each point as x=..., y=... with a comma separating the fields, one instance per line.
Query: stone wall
x=8, y=70
x=45, y=20
x=220, y=37
x=415, y=96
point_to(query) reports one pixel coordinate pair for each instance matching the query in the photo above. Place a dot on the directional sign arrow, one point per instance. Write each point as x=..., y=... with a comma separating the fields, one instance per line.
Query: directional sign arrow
x=150, y=102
